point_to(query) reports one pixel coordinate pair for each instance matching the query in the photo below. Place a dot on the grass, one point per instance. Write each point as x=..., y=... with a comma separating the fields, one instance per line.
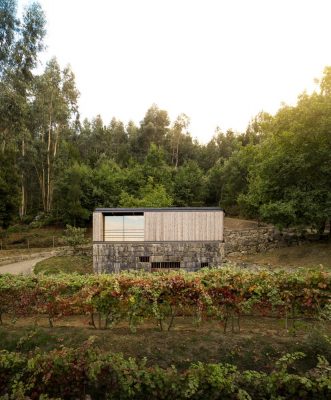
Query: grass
x=67, y=264
x=305, y=255
x=257, y=346
x=24, y=236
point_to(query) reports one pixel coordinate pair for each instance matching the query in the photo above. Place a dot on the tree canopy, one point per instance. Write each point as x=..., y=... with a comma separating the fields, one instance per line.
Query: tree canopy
x=52, y=164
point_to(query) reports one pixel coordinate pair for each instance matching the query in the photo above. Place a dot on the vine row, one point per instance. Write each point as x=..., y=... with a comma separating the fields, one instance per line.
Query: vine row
x=223, y=294
x=86, y=373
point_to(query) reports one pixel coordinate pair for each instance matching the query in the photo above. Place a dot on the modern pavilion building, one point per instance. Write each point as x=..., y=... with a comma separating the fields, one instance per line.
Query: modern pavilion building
x=157, y=238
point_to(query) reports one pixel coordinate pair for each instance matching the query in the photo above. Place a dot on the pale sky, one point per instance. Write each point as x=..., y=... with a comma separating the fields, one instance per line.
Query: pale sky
x=218, y=61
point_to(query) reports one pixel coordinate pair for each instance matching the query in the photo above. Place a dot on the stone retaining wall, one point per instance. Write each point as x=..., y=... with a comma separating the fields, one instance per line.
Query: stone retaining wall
x=261, y=239
x=116, y=257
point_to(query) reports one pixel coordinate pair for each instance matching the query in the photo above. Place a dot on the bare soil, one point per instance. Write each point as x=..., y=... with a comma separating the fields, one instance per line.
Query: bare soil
x=305, y=255
x=238, y=224
x=258, y=344
x=21, y=267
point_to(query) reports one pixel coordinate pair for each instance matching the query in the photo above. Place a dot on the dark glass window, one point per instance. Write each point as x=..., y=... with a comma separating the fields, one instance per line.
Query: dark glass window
x=165, y=264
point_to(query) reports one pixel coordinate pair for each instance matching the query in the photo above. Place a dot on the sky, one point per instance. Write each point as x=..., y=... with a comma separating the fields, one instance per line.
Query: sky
x=218, y=61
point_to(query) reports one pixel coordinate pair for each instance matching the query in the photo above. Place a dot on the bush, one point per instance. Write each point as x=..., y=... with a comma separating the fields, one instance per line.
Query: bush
x=75, y=237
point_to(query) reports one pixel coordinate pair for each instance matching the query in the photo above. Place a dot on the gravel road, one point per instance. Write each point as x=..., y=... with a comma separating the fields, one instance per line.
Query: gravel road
x=21, y=267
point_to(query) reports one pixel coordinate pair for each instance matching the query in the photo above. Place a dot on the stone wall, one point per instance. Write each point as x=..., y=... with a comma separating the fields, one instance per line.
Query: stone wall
x=261, y=239
x=116, y=257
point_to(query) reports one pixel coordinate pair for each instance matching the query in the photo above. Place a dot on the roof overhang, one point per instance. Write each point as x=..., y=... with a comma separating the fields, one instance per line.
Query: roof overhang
x=162, y=209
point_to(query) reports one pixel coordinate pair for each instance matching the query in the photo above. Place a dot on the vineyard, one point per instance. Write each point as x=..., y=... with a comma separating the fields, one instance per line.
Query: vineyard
x=226, y=295
x=126, y=303
x=85, y=373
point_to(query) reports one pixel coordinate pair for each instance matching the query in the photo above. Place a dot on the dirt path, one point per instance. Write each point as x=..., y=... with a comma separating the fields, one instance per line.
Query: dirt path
x=21, y=267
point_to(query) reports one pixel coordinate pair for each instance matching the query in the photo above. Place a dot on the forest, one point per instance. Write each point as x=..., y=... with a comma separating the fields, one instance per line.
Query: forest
x=55, y=168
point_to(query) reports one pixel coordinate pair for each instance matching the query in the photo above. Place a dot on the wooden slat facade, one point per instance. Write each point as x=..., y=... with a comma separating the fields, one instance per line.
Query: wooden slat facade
x=98, y=227
x=184, y=226
x=173, y=226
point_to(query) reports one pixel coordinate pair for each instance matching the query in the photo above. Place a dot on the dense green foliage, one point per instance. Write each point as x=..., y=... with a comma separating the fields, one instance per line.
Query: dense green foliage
x=57, y=168
x=223, y=294
x=88, y=373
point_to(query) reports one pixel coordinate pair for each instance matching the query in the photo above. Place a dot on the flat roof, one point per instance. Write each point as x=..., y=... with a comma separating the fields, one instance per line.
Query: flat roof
x=161, y=209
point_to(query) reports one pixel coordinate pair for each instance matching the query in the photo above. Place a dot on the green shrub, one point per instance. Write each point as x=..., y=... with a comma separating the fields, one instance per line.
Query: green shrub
x=75, y=237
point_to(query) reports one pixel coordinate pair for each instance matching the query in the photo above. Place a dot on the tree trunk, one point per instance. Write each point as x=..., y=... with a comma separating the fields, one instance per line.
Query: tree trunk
x=49, y=146
x=48, y=170
x=177, y=151
x=43, y=187
x=22, y=209
x=3, y=144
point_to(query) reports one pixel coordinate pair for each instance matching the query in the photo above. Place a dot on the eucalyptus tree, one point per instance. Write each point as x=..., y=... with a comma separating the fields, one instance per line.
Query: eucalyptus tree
x=178, y=131
x=21, y=40
x=54, y=111
x=118, y=142
x=219, y=148
x=92, y=142
x=8, y=26
x=153, y=129
x=257, y=129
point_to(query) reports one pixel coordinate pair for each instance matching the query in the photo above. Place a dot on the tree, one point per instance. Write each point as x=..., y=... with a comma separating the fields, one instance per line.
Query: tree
x=290, y=183
x=257, y=129
x=9, y=189
x=227, y=181
x=189, y=185
x=155, y=167
x=178, y=130
x=8, y=26
x=119, y=144
x=75, y=237
x=219, y=148
x=152, y=195
x=20, y=41
x=73, y=195
x=108, y=180
x=54, y=107
x=20, y=44
x=153, y=129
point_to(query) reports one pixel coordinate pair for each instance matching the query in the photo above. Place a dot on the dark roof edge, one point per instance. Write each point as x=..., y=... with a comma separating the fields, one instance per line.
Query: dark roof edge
x=143, y=209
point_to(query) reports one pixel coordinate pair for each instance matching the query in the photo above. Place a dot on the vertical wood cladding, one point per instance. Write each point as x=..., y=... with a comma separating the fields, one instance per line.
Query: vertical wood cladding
x=184, y=226
x=98, y=227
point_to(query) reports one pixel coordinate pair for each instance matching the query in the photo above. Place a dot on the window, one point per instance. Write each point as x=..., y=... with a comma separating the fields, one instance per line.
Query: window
x=144, y=259
x=124, y=228
x=204, y=264
x=165, y=264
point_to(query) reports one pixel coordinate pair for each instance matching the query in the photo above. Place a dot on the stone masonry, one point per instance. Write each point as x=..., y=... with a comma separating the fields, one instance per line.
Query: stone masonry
x=262, y=239
x=116, y=257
